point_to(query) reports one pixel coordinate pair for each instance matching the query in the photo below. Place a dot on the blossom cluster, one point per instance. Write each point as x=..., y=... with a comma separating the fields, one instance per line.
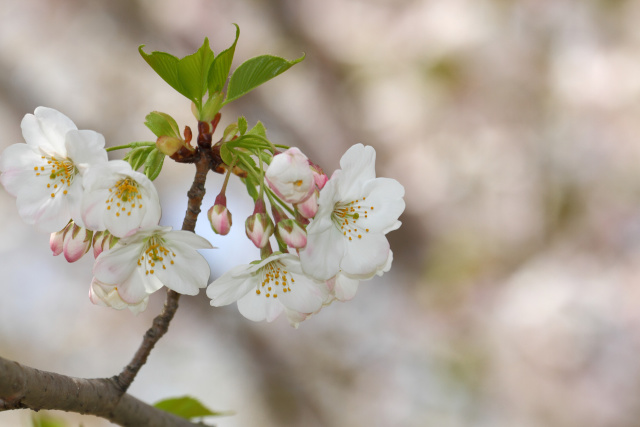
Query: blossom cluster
x=329, y=234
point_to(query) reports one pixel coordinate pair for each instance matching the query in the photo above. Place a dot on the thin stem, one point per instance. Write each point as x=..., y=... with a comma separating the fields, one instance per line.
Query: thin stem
x=161, y=322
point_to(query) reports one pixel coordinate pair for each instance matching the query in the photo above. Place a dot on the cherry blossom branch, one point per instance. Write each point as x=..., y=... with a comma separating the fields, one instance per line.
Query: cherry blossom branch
x=25, y=387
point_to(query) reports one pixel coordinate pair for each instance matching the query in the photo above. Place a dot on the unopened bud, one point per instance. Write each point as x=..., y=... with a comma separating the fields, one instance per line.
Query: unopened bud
x=220, y=218
x=290, y=176
x=259, y=228
x=56, y=241
x=77, y=242
x=309, y=207
x=292, y=233
x=102, y=242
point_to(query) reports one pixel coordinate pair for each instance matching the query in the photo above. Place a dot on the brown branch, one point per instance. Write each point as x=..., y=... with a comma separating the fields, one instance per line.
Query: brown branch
x=25, y=387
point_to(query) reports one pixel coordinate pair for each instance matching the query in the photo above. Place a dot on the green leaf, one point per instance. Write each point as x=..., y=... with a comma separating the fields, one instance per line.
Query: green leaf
x=153, y=163
x=138, y=156
x=193, y=72
x=259, y=130
x=219, y=70
x=242, y=125
x=256, y=71
x=162, y=124
x=251, y=184
x=188, y=75
x=226, y=155
x=187, y=407
x=165, y=64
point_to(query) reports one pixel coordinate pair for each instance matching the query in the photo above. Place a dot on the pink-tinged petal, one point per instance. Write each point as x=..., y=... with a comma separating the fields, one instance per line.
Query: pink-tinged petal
x=258, y=308
x=290, y=176
x=309, y=207
x=85, y=148
x=16, y=165
x=46, y=213
x=115, y=266
x=93, y=207
x=295, y=317
x=364, y=257
x=383, y=201
x=306, y=295
x=345, y=288
x=231, y=286
x=321, y=257
x=46, y=128
x=358, y=166
x=137, y=287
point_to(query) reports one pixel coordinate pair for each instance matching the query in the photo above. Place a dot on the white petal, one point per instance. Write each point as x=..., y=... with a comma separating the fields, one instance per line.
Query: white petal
x=345, y=287
x=386, y=196
x=189, y=238
x=306, y=295
x=258, y=307
x=46, y=128
x=137, y=286
x=93, y=207
x=189, y=272
x=358, y=166
x=231, y=286
x=115, y=266
x=85, y=148
x=16, y=165
x=364, y=257
x=321, y=257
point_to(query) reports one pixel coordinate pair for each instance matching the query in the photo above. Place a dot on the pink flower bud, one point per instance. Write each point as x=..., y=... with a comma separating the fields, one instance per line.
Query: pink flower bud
x=56, y=241
x=292, y=233
x=290, y=176
x=319, y=177
x=220, y=219
x=259, y=228
x=309, y=207
x=77, y=242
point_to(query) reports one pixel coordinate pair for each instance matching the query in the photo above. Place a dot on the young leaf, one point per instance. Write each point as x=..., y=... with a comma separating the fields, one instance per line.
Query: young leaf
x=251, y=184
x=193, y=72
x=153, y=163
x=162, y=124
x=242, y=125
x=165, y=64
x=256, y=71
x=226, y=155
x=187, y=407
x=259, y=130
x=138, y=156
x=219, y=70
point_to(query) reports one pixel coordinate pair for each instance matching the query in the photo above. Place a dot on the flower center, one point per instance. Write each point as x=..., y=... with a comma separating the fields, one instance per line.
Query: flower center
x=60, y=172
x=274, y=279
x=155, y=255
x=124, y=196
x=345, y=216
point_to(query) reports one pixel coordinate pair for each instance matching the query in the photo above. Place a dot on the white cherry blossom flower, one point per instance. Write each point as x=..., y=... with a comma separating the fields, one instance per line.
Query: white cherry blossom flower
x=356, y=211
x=119, y=199
x=143, y=262
x=45, y=174
x=265, y=289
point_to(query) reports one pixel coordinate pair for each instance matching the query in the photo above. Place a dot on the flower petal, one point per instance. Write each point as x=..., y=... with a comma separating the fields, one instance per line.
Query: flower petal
x=85, y=148
x=231, y=286
x=189, y=272
x=321, y=257
x=345, y=287
x=386, y=195
x=115, y=266
x=364, y=257
x=46, y=128
x=358, y=166
x=258, y=308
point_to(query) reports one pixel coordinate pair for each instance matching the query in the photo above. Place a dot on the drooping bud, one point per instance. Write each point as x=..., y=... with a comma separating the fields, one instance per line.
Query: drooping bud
x=292, y=233
x=290, y=176
x=219, y=216
x=259, y=226
x=56, y=241
x=77, y=241
x=309, y=207
x=319, y=177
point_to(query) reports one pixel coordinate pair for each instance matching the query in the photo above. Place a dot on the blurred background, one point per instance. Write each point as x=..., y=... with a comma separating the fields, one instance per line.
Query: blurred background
x=513, y=125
